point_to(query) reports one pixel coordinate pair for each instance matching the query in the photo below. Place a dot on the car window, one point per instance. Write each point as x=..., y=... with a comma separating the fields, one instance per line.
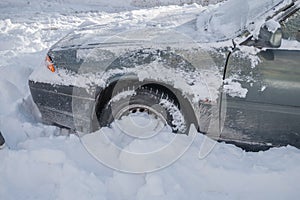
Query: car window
x=291, y=27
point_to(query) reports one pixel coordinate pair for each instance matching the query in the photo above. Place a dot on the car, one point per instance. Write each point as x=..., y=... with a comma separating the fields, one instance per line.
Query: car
x=232, y=72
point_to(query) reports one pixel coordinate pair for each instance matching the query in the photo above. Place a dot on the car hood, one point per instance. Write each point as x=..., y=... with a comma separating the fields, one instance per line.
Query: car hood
x=134, y=26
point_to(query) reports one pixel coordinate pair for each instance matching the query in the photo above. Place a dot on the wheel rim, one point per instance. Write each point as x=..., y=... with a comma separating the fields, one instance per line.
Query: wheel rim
x=141, y=121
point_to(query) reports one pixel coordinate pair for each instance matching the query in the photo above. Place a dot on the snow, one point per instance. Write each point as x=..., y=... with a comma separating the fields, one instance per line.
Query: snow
x=123, y=95
x=60, y=168
x=40, y=163
x=178, y=118
x=234, y=89
x=272, y=25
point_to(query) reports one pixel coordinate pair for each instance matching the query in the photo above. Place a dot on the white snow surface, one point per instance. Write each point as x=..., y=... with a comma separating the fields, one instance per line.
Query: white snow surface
x=39, y=164
x=234, y=88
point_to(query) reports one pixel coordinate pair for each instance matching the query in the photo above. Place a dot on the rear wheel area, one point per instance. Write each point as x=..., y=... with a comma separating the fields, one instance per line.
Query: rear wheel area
x=143, y=112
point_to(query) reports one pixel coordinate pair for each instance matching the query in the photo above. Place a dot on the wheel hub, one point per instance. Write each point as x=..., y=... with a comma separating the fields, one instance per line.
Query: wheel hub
x=141, y=121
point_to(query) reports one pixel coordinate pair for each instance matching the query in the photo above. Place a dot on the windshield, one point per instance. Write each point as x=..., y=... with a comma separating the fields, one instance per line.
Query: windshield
x=229, y=19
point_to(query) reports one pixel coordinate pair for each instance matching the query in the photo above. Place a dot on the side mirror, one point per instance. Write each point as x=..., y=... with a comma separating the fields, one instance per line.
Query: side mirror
x=269, y=36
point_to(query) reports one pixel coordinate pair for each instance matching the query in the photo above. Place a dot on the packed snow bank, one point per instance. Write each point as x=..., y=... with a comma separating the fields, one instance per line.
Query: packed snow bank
x=60, y=168
x=51, y=6
x=151, y=3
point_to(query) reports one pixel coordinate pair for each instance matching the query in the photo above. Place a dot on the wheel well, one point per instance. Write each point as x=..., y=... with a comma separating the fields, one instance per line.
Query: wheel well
x=106, y=94
x=103, y=98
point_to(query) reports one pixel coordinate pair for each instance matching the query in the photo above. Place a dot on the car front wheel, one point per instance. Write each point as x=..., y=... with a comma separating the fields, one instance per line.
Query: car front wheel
x=143, y=110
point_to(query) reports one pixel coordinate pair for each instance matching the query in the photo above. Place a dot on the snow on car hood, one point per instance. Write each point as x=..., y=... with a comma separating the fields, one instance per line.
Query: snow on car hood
x=99, y=30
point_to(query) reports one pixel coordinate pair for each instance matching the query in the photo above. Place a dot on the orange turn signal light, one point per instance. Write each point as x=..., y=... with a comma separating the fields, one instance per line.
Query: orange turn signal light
x=50, y=64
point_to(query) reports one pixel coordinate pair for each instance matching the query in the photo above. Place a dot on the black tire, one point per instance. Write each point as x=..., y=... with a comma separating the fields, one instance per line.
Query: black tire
x=148, y=100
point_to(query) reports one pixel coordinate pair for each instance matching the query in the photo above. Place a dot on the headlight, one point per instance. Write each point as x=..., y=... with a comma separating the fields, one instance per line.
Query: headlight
x=49, y=64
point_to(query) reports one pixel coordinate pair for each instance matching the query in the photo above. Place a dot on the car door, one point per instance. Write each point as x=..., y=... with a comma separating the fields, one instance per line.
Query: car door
x=280, y=70
x=270, y=112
